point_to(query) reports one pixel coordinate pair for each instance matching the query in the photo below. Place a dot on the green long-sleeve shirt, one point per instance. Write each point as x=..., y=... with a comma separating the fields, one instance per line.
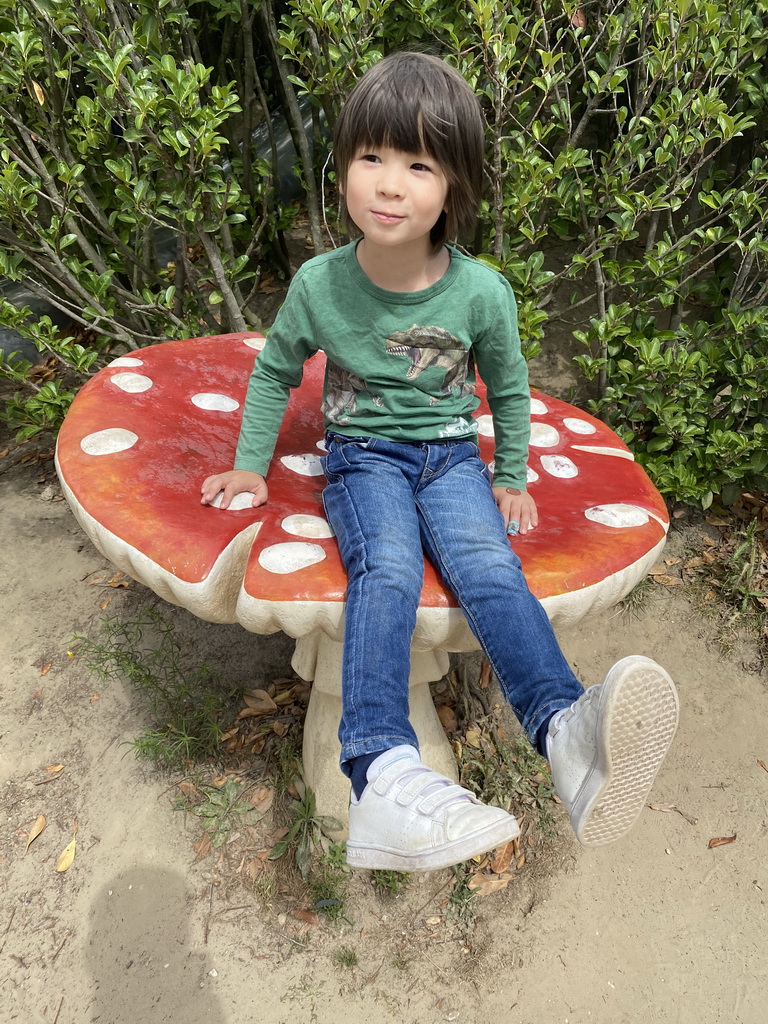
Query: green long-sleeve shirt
x=401, y=365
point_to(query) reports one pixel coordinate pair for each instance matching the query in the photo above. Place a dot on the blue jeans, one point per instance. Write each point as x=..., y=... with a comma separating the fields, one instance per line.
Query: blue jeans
x=390, y=504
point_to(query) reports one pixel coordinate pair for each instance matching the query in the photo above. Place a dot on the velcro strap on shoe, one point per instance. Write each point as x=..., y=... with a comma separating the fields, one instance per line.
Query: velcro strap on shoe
x=447, y=795
x=412, y=790
x=394, y=772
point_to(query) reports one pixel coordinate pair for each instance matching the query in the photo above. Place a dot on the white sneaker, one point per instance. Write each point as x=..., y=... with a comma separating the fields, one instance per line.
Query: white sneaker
x=605, y=750
x=410, y=818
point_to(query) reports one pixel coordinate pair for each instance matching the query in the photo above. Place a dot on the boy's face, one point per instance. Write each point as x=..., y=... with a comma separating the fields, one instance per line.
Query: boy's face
x=395, y=198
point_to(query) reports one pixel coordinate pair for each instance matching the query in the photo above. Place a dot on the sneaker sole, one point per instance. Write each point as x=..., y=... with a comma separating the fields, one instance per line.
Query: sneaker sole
x=377, y=858
x=637, y=720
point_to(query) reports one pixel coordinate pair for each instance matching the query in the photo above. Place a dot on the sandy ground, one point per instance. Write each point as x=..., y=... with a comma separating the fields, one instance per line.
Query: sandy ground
x=658, y=928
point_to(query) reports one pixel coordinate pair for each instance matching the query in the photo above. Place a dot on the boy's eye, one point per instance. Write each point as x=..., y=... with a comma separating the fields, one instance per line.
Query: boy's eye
x=421, y=167
x=370, y=157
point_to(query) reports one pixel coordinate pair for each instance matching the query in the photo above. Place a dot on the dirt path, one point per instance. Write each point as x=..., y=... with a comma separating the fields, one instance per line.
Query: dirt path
x=659, y=928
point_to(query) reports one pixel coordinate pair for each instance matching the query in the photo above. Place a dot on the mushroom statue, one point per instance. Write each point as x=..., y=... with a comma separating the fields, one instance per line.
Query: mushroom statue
x=145, y=431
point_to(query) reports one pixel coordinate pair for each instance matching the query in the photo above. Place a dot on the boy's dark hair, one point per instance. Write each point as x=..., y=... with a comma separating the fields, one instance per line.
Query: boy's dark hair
x=415, y=103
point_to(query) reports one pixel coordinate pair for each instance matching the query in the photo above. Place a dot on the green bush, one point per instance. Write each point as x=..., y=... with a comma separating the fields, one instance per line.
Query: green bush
x=116, y=136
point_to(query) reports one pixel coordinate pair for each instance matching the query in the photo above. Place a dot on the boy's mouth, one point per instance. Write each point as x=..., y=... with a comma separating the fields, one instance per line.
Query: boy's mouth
x=387, y=218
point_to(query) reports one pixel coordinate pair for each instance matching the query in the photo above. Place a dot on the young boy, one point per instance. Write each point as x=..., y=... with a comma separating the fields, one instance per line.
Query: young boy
x=404, y=319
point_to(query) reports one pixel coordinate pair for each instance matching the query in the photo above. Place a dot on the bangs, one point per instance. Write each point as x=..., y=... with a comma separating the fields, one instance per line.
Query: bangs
x=403, y=120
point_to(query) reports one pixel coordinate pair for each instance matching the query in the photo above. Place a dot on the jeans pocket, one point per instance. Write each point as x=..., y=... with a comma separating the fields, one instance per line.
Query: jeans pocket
x=347, y=448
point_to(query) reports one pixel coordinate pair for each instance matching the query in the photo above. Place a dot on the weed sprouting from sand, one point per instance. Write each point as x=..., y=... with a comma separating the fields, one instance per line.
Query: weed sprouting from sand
x=186, y=704
x=346, y=957
x=390, y=883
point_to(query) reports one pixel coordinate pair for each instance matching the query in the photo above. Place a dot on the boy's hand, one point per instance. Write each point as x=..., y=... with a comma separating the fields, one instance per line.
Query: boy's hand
x=233, y=482
x=518, y=509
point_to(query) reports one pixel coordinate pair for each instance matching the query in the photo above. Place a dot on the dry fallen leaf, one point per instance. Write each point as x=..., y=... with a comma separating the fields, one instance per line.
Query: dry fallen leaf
x=262, y=798
x=203, y=846
x=46, y=669
x=667, y=581
x=762, y=765
x=280, y=728
x=253, y=868
x=722, y=841
x=35, y=831
x=485, y=674
x=473, y=736
x=276, y=836
x=447, y=717
x=258, y=703
x=67, y=855
x=54, y=768
x=694, y=563
x=503, y=857
x=484, y=885
x=308, y=916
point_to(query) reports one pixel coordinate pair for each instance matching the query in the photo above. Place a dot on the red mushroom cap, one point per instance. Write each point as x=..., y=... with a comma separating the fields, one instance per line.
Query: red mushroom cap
x=144, y=433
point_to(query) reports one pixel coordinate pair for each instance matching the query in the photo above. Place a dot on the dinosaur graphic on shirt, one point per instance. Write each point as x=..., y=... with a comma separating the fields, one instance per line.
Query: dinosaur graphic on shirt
x=434, y=346
x=342, y=389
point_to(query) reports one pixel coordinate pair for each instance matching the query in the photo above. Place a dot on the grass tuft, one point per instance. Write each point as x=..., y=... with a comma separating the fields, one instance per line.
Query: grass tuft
x=390, y=883
x=346, y=957
x=186, y=704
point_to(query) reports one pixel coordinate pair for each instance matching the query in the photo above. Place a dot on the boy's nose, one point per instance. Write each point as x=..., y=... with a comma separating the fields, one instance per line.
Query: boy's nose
x=390, y=183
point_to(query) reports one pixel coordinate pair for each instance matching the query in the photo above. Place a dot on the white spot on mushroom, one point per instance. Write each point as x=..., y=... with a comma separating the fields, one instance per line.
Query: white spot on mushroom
x=215, y=403
x=559, y=465
x=321, y=445
x=126, y=361
x=304, y=465
x=133, y=383
x=257, y=343
x=619, y=453
x=531, y=475
x=301, y=525
x=537, y=407
x=285, y=558
x=618, y=516
x=544, y=436
x=243, y=499
x=492, y=466
x=579, y=426
x=485, y=425
x=109, y=441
